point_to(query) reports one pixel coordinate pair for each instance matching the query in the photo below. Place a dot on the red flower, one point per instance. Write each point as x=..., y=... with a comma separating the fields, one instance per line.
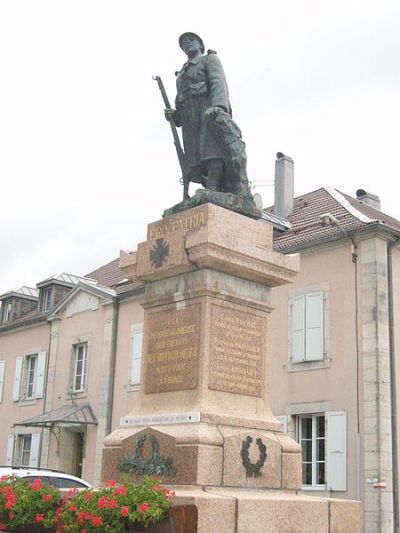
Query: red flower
x=47, y=497
x=97, y=521
x=102, y=502
x=124, y=510
x=88, y=496
x=8, y=504
x=37, y=484
x=82, y=517
x=156, y=487
x=2, y=527
x=3, y=478
x=58, y=513
x=39, y=518
x=111, y=483
x=11, y=516
x=72, y=492
x=143, y=507
x=112, y=504
x=120, y=490
x=72, y=507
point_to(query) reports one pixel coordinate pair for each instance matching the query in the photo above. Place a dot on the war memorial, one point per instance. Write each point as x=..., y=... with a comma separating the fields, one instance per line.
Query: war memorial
x=203, y=424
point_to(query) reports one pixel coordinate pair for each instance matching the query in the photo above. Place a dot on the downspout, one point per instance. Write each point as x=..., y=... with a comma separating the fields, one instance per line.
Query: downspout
x=113, y=364
x=46, y=379
x=393, y=388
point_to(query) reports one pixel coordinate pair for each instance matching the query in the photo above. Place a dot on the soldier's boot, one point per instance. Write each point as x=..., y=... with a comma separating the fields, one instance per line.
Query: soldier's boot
x=215, y=171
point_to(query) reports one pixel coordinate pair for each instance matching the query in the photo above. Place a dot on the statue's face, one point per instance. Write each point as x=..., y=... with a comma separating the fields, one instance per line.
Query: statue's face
x=191, y=45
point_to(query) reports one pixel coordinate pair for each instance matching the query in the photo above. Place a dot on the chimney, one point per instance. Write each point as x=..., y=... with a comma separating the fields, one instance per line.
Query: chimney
x=368, y=198
x=284, y=185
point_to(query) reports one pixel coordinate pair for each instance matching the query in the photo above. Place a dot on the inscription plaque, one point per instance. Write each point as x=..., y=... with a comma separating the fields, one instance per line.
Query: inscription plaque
x=183, y=223
x=172, y=352
x=237, y=351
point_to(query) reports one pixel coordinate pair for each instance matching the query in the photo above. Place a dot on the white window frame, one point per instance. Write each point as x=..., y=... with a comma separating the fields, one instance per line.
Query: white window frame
x=335, y=448
x=23, y=449
x=30, y=376
x=28, y=382
x=302, y=331
x=314, y=441
x=6, y=308
x=2, y=376
x=136, y=347
x=83, y=374
x=28, y=444
x=46, y=299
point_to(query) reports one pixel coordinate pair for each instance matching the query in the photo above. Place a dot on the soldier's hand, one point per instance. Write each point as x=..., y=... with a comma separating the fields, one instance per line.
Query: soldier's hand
x=212, y=111
x=169, y=114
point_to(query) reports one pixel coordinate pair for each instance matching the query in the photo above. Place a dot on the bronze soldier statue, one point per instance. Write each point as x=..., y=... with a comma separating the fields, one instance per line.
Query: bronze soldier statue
x=214, y=151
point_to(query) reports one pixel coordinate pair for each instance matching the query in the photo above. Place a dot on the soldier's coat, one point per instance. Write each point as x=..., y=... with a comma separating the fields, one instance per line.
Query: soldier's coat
x=200, y=84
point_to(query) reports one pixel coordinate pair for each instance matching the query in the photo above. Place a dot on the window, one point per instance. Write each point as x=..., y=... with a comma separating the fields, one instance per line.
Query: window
x=136, y=354
x=307, y=337
x=46, y=299
x=6, y=309
x=323, y=441
x=28, y=449
x=65, y=483
x=80, y=367
x=312, y=440
x=2, y=372
x=44, y=479
x=31, y=369
x=29, y=376
x=25, y=449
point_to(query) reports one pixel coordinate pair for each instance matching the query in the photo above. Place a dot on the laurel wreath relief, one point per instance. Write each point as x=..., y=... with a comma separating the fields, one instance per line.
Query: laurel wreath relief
x=253, y=469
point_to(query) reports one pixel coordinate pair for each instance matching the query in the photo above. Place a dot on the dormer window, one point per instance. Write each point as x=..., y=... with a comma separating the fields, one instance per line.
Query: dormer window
x=46, y=299
x=7, y=311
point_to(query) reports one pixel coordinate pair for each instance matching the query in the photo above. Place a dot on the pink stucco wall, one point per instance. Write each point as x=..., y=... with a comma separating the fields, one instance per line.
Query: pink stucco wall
x=13, y=344
x=130, y=313
x=86, y=326
x=336, y=383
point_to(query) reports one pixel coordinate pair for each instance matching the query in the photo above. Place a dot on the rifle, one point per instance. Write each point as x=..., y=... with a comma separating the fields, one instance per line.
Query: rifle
x=177, y=142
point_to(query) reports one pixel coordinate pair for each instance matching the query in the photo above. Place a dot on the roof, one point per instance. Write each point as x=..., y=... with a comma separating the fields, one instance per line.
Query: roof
x=78, y=414
x=307, y=228
x=69, y=279
x=112, y=276
x=24, y=292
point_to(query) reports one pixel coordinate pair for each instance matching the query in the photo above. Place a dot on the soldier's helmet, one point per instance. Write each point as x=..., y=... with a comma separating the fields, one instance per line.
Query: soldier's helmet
x=193, y=35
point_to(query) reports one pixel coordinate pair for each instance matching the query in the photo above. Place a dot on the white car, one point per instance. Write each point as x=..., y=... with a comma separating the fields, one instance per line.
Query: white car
x=54, y=478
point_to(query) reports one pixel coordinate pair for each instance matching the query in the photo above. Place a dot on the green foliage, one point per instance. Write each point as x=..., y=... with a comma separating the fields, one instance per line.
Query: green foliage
x=112, y=508
x=26, y=505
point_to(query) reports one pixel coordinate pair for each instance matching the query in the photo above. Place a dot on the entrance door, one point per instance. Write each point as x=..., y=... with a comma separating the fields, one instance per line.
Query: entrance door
x=71, y=451
x=78, y=455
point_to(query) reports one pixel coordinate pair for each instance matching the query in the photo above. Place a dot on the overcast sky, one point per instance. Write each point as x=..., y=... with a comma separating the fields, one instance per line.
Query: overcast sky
x=87, y=160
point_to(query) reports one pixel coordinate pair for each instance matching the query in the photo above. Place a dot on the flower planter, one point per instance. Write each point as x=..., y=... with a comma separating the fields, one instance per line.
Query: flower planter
x=181, y=519
x=165, y=526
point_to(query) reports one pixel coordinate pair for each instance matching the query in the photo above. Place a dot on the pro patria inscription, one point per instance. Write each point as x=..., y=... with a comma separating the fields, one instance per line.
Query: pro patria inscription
x=237, y=351
x=172, y=352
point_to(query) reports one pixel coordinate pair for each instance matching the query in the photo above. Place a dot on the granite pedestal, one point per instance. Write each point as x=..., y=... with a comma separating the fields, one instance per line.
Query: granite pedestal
x=203, y=422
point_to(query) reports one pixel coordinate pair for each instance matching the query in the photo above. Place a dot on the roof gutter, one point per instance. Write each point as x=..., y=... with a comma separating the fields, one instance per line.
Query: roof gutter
x=393, y=388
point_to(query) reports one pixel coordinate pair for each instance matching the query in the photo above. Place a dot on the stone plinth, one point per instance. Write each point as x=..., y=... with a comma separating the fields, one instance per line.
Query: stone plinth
x=203, y=418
